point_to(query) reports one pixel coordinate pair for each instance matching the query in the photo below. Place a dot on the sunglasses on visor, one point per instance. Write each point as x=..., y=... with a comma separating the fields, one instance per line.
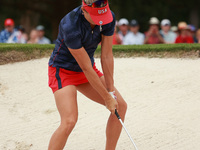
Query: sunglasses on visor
x=98, y=3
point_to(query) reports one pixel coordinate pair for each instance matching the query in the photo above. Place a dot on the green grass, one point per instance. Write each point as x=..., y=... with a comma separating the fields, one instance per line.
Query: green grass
x=22, y=52
x=116, y=48
x=155, y=48
x=25, y=47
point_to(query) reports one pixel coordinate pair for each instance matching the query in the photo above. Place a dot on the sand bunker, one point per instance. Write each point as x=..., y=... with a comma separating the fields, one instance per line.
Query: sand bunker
x=163, y=106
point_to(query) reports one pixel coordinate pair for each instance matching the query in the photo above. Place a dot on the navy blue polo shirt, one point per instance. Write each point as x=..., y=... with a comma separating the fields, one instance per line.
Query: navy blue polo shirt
x=75, y=32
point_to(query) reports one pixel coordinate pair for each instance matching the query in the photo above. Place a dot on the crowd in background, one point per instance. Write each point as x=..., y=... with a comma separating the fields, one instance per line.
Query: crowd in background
x=18, y=35
x=126, y=33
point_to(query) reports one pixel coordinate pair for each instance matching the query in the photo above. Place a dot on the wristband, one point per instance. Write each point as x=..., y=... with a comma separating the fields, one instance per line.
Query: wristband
x=113, y=95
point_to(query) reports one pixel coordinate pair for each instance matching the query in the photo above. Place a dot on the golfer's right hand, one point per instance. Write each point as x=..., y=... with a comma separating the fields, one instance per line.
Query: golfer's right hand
x=111, y=104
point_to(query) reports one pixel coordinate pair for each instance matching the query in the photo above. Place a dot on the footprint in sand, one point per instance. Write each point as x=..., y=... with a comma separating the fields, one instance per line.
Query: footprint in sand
x=3, y=88
x=14, y=110
x=13, y=145
x=49, y=111
x=23, y=146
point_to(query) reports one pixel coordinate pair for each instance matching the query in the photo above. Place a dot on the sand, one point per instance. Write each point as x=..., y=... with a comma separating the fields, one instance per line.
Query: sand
x=163, y=106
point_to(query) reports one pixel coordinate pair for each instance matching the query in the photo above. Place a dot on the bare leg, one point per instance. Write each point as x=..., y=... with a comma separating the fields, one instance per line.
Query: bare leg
x=114, y=127
x=66, y=101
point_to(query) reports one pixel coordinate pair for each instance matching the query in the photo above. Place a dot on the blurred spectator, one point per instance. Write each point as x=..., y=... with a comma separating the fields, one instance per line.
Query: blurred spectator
x=22, y=36
x=117, y=39
x=175, y=30
x=134, y=37
x=153, y=36
x=123, y=28
x=41, y=33
x=9, y=34
x=167, y=34
x=33, y=37
x=198, y=36
x=183, y=34
x=192, y=32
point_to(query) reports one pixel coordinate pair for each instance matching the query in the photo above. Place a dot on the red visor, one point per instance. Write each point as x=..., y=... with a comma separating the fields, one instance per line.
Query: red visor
x=101, y=15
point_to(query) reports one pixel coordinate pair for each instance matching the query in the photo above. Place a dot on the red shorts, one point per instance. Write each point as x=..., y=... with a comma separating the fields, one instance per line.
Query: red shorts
x=59, y=77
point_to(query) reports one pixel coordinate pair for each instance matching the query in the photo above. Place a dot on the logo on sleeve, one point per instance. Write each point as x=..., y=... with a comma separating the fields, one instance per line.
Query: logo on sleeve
x=102, y=11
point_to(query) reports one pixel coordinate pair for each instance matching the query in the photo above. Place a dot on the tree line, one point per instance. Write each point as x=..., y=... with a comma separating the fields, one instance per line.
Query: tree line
x=50, y=12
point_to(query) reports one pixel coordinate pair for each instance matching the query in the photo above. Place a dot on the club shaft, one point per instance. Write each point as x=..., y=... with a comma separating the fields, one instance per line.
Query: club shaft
x=128, y=134
x=116, y=113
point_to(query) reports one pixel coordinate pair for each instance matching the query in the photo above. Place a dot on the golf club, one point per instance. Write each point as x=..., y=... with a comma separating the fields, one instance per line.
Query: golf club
x=116, y=113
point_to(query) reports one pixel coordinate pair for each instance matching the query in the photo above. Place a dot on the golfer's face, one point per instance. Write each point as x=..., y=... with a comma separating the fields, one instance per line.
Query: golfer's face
x=88, y=17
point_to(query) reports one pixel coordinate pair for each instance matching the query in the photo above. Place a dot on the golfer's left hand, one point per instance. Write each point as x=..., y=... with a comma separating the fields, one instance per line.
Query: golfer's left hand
x=115, y=97
x=111, y=104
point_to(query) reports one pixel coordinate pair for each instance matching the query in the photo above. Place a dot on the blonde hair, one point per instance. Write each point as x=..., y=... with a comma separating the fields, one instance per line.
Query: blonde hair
x=89, y=1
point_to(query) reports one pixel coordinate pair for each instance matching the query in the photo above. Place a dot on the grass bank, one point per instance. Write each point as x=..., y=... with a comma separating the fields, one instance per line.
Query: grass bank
x=21, y=52
x=10, y=53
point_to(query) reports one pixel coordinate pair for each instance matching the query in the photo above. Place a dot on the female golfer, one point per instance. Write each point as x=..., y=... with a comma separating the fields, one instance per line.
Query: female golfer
x=72, y=68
